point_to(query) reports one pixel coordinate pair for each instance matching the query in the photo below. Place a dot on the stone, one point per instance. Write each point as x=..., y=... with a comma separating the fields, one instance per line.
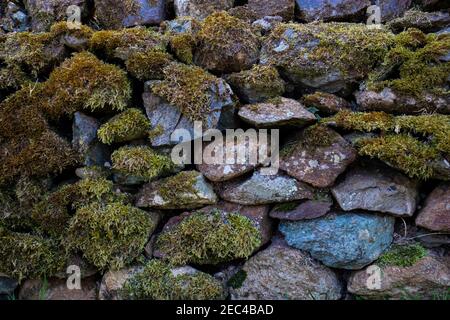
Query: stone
x=435, y=214
x=425, y=21
x=200, y=9
x=283, y=273
x=434, y=4
x=429, y=278
x=325, y=103
x=186, y=190
x=318, y=157
x=7, y=285
x=13, y=18
x=310, y=209
x=264, y=8
x=277, y=112
x=341, y=240
x=56, y=289
x=379, y=189
x=113, y=282
x=264, y=189
x=87, y=270
x=331, y=10
x=265, y=25
x=116, y=15
x=391, y=9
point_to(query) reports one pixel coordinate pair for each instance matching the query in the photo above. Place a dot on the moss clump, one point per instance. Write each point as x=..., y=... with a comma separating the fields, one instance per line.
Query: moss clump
x=174, y=188
x=158, y=282
x=148, y=65
x=183, y=45
x=402, y=255
x=362, y=121
x=12, y=77
x=288, y=206
x=237, y=279
x=142, y=162
x=209, y=239
x=109, y=235
x=189, y=88
x=28, y=256
x=129, y=125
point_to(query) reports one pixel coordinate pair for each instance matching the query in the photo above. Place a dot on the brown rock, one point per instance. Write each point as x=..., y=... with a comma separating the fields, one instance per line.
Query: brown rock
x=56, y=289
x=435, y=215
x=326, y=103
x=113, y=282
x=309, y=209
x=282, y=8
x=331, y=10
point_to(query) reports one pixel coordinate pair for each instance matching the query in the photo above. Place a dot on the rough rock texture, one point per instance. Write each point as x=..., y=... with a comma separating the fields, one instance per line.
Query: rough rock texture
x=200, y=9
x=435, y=215
x=56, y=289
x=275, y=113
x=283, y=273
x=377, y=189
x=391, y=9
x=310, y=209
x=264, y=8
x=264, y=189
x=319, y=162
x=7, y=285
x=429, y=278
x=113, y=281
x=331, y=10
x=345, y=241
x=326, y=103
x=425, y=21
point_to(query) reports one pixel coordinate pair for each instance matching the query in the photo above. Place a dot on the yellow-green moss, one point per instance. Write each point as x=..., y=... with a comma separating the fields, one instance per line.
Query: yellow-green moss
x=183, y=45
x=109, y=235
x=157, y=282
x=362, y=121
x=141, y=161
x=62, y=28
x=173, y=188
x=402, y=255
x=209, y=239
x=148, y=65
x=12, y=77
x=129, y=125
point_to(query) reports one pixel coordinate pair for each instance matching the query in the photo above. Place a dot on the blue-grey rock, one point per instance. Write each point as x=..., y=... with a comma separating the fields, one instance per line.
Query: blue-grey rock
x=342, y=240
x=330, y=10
x=7, y=285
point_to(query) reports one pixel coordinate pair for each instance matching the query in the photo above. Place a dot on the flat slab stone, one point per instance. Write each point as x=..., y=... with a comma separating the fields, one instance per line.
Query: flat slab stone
x=310, y=209
x=435, y=215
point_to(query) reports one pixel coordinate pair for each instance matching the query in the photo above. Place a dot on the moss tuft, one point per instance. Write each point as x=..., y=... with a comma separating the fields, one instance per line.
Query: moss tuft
x=237, y=279
x=209, y=239
x=148, y=65
x=183, y=45
x=172, y=189
x=12, y=77
x=402, y=255
x=158, y=282
x=129, y=125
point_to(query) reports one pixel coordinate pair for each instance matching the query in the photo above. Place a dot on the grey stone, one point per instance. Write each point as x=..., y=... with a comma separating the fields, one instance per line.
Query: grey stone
x=7, y=284
x=200, y=9
x=113, y=282
x=331, y=10
x=425, y=21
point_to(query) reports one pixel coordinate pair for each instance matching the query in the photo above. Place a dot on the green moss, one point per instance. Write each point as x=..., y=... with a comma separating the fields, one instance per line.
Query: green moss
x=172, y=189
x=148, y=65
x=189, y=88
x=288, y=206
x=109, y=235
x=362, y=121
x=157, y=282
x=237, y=279
x=62, y=28
x=129, y=125
x=12, y=77
x=209, y=239
x=183, y=46
x=402, y=255
x=141, y=161
x=28, y=256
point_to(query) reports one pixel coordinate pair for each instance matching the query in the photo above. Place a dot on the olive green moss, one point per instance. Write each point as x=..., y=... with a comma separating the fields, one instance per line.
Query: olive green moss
x=188, y=88
x=211, y=238
x=402, y=255
x=237, y=279
x=12, y=77
x=141, y=161
x=362, y=121
x=287, y=206
x=173, y=189
x=111, y=235
x=148, y=65
x=129, y=125
x=28, y=256
x=12, y=215
x=112, y=12
x=62, y=28
x=183, y=46
x=157, y=282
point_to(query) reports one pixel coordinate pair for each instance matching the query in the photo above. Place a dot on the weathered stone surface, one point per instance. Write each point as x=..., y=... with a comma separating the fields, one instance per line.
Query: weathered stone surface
x=113, y=282
x=7, y=284
x=326, y=103
x=283, y=273
x=200, y=9
x=429, y=278
x=264, y=189
x=425, y=21
x=345, y=241
x=331, y=10
x=87, y=270
x=265, y=25
x=263, y=8
x=377, y=189
x=310, y=209
x=435, y=215
x=115, y=15
x=12, y=18
x=276, y=112
x=391, y=9
x=433, y=4
x=56, y=289
x=177, y=193
x=318, y=157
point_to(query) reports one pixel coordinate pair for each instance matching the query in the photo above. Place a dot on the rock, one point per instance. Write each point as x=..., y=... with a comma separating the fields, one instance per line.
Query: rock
x=116, y=15
x=56, y=289
x=200, y=9
x=13, y=18
x=264, y=8
x=390, y=101
x=310, y=209
x=433, y=4
x=7, y=285
x=85, y=140
x=318, y=157
x=259, y=215
x=87, y=270
x=265, y=25
x=441, y=169
x=378, y=189
x=264, y=189
x=113, y=282
x=226, y=44
x=330, y=57
x=425, y=21
x=257, y=84
x=283, y=273
x=326, y=103
x=277, y=112
x=435, y=215
x=391, y=9
x=186, y=190
x=344, y=241
x=331, y=10
x=429, y=278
